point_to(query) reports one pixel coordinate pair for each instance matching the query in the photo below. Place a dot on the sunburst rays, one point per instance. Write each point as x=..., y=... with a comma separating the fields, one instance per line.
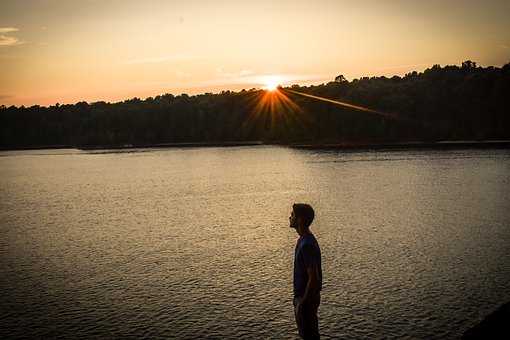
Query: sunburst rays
x=278, y=111
x=275, y=106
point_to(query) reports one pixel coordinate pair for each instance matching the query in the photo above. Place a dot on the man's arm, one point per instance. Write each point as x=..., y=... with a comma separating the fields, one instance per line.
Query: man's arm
x=312, y=285
x=311, y=261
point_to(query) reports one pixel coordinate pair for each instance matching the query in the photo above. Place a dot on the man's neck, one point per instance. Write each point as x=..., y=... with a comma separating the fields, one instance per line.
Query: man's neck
x=302, y=231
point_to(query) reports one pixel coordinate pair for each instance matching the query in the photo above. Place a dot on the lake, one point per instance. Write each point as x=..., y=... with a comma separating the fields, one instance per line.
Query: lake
x=194, y=242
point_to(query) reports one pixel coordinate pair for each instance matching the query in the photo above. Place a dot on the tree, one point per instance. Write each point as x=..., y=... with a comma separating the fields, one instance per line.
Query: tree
x=440, y=103
x=340, y=78
x=468, y=64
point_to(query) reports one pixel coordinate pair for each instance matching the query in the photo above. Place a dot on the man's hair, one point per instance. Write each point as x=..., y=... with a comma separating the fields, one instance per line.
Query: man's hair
x=305, y=212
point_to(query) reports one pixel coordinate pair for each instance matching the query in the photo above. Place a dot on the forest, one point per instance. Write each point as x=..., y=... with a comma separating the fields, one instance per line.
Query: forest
x=449, y=103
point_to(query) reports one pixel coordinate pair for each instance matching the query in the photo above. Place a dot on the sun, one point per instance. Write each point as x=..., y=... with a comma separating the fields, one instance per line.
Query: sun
x=271, y=86
x=271, y=83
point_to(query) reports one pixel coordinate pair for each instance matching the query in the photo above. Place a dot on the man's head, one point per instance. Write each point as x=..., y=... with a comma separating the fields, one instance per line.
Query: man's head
x=301, y=216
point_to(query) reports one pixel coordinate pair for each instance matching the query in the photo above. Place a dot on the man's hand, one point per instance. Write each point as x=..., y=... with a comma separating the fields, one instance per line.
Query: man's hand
x=298, y=301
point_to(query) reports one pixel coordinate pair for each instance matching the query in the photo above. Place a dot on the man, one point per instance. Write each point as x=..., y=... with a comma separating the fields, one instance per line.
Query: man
x=307, y=272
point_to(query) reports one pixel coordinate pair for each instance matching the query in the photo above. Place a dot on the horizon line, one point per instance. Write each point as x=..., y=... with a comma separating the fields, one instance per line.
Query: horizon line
x=218, y=92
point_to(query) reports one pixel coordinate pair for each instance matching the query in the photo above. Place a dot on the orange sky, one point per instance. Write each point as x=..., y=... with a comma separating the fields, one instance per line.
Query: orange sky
x=68, y=51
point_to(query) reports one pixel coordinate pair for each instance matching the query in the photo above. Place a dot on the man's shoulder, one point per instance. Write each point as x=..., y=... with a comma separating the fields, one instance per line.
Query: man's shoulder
x=308, y=240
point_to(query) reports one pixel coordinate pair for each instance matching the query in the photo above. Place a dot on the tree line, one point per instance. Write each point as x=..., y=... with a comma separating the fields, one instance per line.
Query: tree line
x=465, y=102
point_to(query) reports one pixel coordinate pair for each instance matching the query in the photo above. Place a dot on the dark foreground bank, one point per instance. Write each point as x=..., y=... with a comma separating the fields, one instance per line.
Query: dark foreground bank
x=494, y=326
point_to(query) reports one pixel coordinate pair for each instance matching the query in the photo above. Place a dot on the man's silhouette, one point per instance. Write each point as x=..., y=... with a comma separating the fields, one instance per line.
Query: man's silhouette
x=307, y=272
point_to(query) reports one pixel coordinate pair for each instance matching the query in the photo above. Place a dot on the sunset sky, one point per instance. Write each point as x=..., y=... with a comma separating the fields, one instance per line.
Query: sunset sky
x=69, y=51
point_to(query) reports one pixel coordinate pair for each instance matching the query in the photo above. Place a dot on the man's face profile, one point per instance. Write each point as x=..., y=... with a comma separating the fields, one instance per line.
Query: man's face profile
x=292, y=220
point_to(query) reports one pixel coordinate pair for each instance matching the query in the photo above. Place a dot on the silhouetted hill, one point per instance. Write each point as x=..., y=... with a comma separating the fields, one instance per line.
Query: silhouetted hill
x=441, y=103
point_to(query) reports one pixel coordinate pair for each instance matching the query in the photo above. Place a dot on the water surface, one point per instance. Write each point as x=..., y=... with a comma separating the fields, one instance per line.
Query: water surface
x=194, y=243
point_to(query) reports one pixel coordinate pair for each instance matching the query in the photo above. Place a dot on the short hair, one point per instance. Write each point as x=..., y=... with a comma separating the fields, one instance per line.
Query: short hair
x=305, y=212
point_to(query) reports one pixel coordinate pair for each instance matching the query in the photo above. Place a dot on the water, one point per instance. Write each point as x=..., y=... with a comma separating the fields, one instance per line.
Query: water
x=194, y=243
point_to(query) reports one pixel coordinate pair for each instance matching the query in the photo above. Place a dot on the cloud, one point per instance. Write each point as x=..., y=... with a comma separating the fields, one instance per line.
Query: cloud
x=506, y=47
x=244, y=73
x=8, y=29
x=224, y=74
x=4, y=97
x=162, y=59
x=7, y=40
x=182, y=74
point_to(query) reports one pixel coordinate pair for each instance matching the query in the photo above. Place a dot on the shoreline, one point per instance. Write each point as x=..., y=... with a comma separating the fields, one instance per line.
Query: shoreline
x=135, y=146
x=440, y=145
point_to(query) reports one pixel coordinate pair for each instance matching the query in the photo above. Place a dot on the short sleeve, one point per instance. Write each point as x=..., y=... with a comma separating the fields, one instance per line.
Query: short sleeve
x=310, y=255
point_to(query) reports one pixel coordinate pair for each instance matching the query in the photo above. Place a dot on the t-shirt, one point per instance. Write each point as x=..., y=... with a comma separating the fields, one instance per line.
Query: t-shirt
x=306, y=254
